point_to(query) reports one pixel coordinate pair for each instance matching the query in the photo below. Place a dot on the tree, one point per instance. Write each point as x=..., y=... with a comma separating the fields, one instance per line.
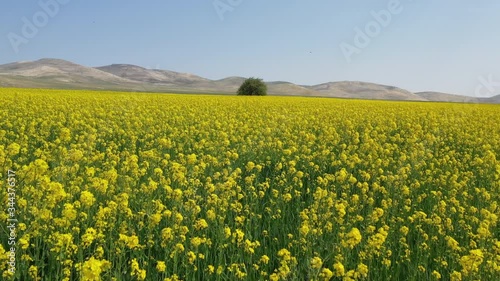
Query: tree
x=253, y=87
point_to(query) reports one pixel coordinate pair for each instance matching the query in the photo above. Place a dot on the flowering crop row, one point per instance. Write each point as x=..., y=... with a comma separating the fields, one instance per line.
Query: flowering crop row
x=122, y=186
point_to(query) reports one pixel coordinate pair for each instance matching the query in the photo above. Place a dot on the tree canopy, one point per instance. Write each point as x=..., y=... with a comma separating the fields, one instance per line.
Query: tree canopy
x=253, y=87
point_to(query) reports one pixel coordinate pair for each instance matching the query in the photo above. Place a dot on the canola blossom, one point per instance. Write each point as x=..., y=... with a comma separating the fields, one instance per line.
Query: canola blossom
x=129, y=186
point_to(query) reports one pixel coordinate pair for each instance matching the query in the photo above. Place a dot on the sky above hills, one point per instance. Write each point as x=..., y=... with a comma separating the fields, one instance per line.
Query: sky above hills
x=419, y=45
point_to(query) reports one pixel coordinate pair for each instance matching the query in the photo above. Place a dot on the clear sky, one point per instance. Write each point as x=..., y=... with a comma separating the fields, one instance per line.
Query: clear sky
x=447, y=45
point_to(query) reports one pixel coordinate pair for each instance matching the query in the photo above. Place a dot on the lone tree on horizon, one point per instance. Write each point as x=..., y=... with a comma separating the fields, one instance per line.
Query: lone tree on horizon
x=253, y=87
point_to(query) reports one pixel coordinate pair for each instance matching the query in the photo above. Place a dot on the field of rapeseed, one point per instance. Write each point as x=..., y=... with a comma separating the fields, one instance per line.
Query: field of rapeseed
x=121, y=186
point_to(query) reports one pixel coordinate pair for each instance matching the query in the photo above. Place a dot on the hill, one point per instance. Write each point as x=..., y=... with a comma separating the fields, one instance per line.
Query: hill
x=61, y=74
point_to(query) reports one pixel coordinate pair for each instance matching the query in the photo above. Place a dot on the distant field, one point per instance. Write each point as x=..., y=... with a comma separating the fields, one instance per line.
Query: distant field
x=123, y=186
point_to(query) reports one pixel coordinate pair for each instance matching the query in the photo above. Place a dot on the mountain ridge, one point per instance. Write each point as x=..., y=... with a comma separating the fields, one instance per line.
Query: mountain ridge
x=58, y=73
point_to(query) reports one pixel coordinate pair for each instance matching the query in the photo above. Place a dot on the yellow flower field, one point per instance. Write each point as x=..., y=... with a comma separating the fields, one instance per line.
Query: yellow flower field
x=124, y=186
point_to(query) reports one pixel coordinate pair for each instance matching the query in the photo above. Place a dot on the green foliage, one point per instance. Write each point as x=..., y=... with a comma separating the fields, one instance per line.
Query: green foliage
x=253, y=87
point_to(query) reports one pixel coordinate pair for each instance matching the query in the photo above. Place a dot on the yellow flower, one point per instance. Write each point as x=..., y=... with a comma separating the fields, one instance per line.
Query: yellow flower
x=33, y=272
x=250, y=165
x=133, y=242
x=63, y=242
x=284, y=254
x=91, y=269
x=274, y=277
x=353, y=238
x=191, y=257
x=196, y=241
x=342, y=175
x=436, y=275
x=87, y=198
x=179, y=247
x=404, y=230
x=99, y=252
x=167, y=234
x=24, y=243
x=160, y=266
x=456, y=276
x=172, y=278
x=200, y=224
x=7, y=274
x=88, y=237
x=100, y=185
x=191, y=159
x=304, y=229
x=316, y=263
x=13, y=149
x=250, y=246
x=264, y=259
x=211, y=214
x=471, y=262
x=69, y=212
x=136, y=271
x=326, y=274
x=238, y=235
x=155, y=219
x=339, y=269
x=178, y=218
x=220, y=269
x=452, y=243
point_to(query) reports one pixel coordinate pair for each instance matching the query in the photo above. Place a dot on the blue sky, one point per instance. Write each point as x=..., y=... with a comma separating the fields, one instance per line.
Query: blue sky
x=449, y=46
